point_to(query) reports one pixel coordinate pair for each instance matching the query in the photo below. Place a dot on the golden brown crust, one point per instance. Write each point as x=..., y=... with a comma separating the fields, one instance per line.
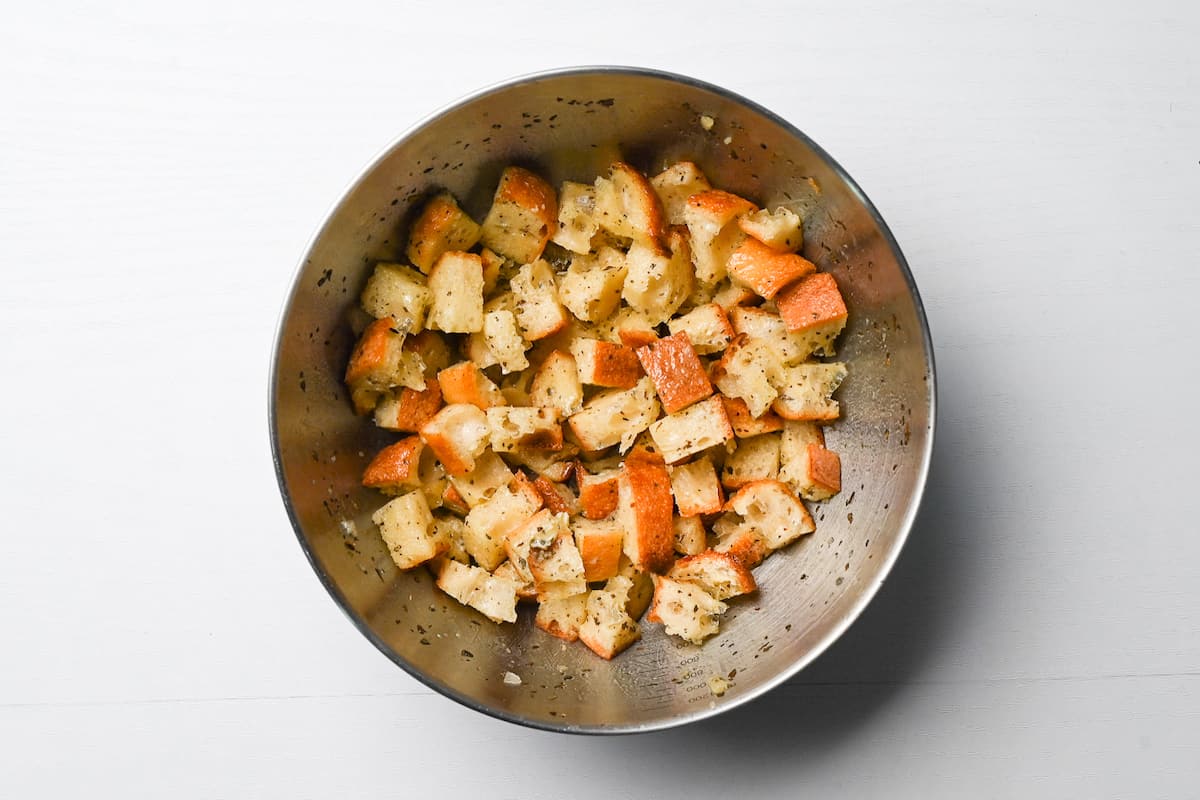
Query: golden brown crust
x=414, y=409
x=810, y=302
x=611, y=364
x=395, y=466
x=721, y=574
x=824, y=469
x=453, y=500
x=551, y=497
x=441, y=226
x=634, y=338
x=678, y=375
x=601, y=552
x=371, y=352
x=722, y=206
x=746, y=545
x=523, y=216
x=764, y=269
x=743, y=422
x=597, y=494
x=465, y=383
x=650, y=509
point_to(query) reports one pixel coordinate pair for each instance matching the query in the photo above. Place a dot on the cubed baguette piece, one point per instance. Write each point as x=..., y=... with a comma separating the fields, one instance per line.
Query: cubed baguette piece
x=675, y=185
x=600, y=545
x=494, y=597
x=806, y=466
x=756, y=458
x=608, y=628
x=432, y=349
x=500, y=342
x=525, y=587
x=410, y=409
x=744, y=423
x=645, y=508
x=562, y=617
x=814, y=306
x=554, y=560
x=748, y=369
x=489, y=475
x=453, y=530
x=591, y=286
x=791, y=348
x=709, y=216
x=440, y=227
x=456, y=289
x=627, y=206
x=538, y=309
x=523, y=216
x=407, y=528
x=768, y=507
x=556, y=496
x=690, y=536
x=685, y=609
x=658, y=281
x=490, y=523
x=765, y=270
x=806, y=391
x=457, y=435
x=616, y=416
x=696, y=428
x=396, y=468
x=464, y=382
x=720, y=574
x=779, y=229
x=731, y=295
x=380, y=362
x=679, y=377
x=514, y=427
x=398, y=292
x=556, y=385
x=706, y=326
x=745, y=544
x=597, y=492
x=696, y=488
x=635, y=585
x=601, y=363
x=576, y=217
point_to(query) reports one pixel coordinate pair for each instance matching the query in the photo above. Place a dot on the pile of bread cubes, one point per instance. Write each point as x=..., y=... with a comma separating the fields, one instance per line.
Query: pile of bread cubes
x=610, y=396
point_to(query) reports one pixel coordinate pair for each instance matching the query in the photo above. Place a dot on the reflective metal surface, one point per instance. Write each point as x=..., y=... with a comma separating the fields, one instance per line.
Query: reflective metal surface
x=571, y=125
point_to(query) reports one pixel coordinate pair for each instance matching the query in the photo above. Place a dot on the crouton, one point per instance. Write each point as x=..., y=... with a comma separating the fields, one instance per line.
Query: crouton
x=494, y=597
x=628, y=207
x=707, y=327
x=378, y=363
x=523, y=216
x=514, y=427
x=658, y=281
x=453, y=530
x=602, y=363
x=545, y=462
x=432, y=349
x=452, y=499
x=696, y=428
x=441, y=226
x=561, y=617
x=748, y=369
x=490, y=473
x=456, y=289
x=690, y=537
x=457, y=435
x=608, y=629
x=779, y=229
x=600, y=545
x=708, y=216
x=406, y=525
x=553, y=559
x=629, y=327
x=731, y=295
x=814, y=307
x=744, y=544
x=591, y=286
x=791, y=348
x=597, y=492
x=744, y=423
x=685, y=609
x=538, y=310
x=645, y=507
x=768, y=507
x=397, y=292
x=490, y=522
x=756, y=458
x=492, y=263
x=766, y=271
x=675, y=185
x=679, y=377
x=409, y=410
x=525, y=587
x=696, y=488
x=806, y=391
x=634, y=585
x=719, y=574
x=465, y=383
x=395, y=468
x=502, y=342
x=555, y=496
x=806, y=466
x=558, y=471
x=556, y=385
x=616, y=416
x=576, y=217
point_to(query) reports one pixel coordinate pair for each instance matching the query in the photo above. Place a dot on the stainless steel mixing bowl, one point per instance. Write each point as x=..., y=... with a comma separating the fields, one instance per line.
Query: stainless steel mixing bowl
x=572, y=124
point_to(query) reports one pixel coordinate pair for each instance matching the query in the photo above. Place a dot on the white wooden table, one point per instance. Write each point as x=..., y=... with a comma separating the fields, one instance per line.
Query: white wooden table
x=160, y=171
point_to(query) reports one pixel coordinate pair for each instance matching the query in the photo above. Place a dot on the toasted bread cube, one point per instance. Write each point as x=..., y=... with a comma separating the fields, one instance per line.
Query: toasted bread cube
x=591, y=286
x=806, y=391
x=685, y=609
x=558, y=471
x=525, y=587
x=634, y=338
x=433, y=350
x=396, y=468
x=545, y=462
x=770, y=508
x=451, y=499
x=658, y=281
x=635, y=585
x=465, y=383
x=481, y=483
x=792, y=348
x=597, y=492
x=706, y=326
x=456, y=287
x=504, y=341
x=556, y=497
x=744, y=423
x=709, y=216
x=690, y=537
x=814, y=306
x=608, y=628
x=696, y=488
x=441, y=226
x=490, y=523
x=744, y=544
x=602, y=363
x=696, y=428
x=731, y=295
x=600, y=545
x=766, y=271
x=616, y=416
x=627, y=206
x=556, y=385
x=720, y=574
x=457, y=434
x=523, y=216
x=398, y=292
x=409, y=410
x=453, y=530
x=675, y=185
x=756, y=458
x=645, y=507
x=779, y=229
x=562, y=617
x=380, y=362
x=679, y=377
x=629, y=327
x=548, y=549
x=748, y=369
x=806, y=466
x=514, y=427
x=576, y=217
x=538, y=310
x=494, y=597
x=407, y=528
